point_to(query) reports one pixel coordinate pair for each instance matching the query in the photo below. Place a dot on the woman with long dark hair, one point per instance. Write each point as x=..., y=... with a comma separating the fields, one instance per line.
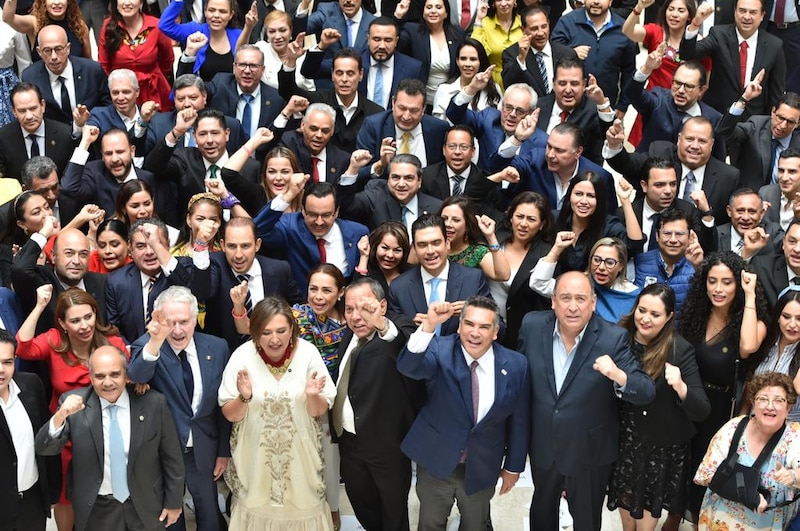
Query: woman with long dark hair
x=111, y=252
x=134, y=202
x=470, y=59
x=383, y=254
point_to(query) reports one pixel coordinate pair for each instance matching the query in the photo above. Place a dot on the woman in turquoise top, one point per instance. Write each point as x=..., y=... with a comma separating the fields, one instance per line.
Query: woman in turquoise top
x=321, y=322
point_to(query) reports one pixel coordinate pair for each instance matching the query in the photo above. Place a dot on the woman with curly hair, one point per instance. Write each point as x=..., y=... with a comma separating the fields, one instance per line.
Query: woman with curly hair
x=131, y=39
x=64, y=13
x=724, y=318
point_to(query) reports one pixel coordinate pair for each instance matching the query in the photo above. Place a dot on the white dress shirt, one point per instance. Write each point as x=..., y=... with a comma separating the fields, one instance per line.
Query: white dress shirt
x=334, y=249
x=416, y=143
x=22, y=437
x=426, y=282
x=39, y=138
x=55, y=85
x=699, y=175
x=388, y=75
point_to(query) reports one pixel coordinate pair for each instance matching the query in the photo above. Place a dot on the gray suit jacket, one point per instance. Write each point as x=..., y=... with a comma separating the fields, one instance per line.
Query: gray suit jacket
x=772, y=194
x=772, y=229
x=155, y=460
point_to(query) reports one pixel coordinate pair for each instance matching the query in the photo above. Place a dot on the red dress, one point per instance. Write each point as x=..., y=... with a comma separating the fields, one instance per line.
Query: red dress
x=149, y=55
x=63, y=377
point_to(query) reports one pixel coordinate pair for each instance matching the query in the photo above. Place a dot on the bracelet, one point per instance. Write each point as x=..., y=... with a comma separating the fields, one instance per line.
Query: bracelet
x=198, y=243
x=637, y=12
x=229, y=202
x=243, y=399
x=239, y=316
x=744, y=101
x=517, y=138
x=176, y=137
x=286, y=117
x=494, y=248
x=248, y=150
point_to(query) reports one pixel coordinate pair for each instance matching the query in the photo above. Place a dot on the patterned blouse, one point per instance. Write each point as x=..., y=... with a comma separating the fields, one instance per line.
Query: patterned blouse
x=471, y=256
x=323, y=332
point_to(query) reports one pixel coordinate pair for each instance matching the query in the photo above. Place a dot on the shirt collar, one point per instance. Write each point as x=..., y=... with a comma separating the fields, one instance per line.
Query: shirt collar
x=345, y=107
x=191, y=348
x=333, y=233
x=256, y=93
x=219, y=164
x=694, y=110
x=547, y=50
x=124, y=401
x=13, y=393
x=39, y=131
x=389, y=63
x=254, y=271
x=357, y=17
x=751, y=41
x=67, y=73
x=484, y=362
x=426, y=277
x=557, y=333
x=464, y=174
x=414, y=132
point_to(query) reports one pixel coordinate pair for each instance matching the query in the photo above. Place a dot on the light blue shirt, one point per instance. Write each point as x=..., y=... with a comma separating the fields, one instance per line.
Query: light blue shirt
x=562, y=360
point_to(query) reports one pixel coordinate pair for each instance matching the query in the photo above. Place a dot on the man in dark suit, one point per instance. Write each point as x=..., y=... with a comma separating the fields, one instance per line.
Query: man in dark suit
x=139, y=489
x=25, y=478
x=663, y=111
x=243, y=95
x=68, y=83
x=704, y=180
x=186, y=367
x=132, y=290
x=405, y=128
x=374, y=408
x=40, y=174
x=189, y=92
x=239, y=263
x=311, y=237
x=782, y=195
x=350, y=106
x=320, y=159
x=188, y=168
x=746, y=210
x=435, y=279
x=348, y=18
x=534, y=56
x=32, y=135
x=754, y=142
x=778, y=270
x=98, y=182
x=723, y=45
x=396, y=199
x=487, y=436
x=575, y=441
x=385, y=67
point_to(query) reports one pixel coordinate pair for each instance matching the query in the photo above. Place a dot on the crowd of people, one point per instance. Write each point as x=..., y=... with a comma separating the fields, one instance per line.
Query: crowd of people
x=287, y=244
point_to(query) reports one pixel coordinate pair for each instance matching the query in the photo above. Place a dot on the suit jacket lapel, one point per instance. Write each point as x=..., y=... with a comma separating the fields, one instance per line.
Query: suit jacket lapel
x=547, y=351
x=175, y=370
x=206, y=360
x=528, y=263
x=464, y=378
x=581, y=353
x=138, y=421
x=94, y=417
x=500, y=381
x=418, y=294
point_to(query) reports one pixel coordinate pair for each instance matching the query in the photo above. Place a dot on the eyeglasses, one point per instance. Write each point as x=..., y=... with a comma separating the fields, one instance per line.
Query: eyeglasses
x=677, y=234
x=778, y=402
x=789, y=122
x=49, y=51
x=518, y=111
x=248, y=66
x=458, y=147
x=610, y=263
x=678, y=84
x=313, y=216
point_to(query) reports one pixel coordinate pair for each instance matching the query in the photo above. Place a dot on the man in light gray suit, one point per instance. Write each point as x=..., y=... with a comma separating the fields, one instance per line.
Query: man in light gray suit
x=127, y=467
x=781, y=195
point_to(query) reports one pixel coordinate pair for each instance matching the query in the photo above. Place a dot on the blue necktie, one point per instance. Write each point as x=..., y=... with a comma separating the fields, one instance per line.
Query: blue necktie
x=776, y=151
x=379, y=85
x=119, y=463
x=247, y=115
x=351, y=38
x=435, y=298
x=691, y=182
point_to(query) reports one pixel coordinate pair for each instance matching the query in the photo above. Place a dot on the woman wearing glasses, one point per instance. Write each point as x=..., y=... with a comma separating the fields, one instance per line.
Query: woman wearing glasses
x=723, y=317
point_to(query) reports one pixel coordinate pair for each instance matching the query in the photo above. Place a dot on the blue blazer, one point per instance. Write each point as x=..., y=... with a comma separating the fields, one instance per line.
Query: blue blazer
x=407, y=294
x=381, y=125
x=287, y=233
x=223, y=94
x=91, y=86
x=10, y=311
x=330, y=15
x=578, y=428
x=106, y=117
x=444, y=429
x=211, y=433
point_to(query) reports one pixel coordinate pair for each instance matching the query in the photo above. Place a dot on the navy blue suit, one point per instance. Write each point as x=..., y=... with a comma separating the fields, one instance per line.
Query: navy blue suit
x=106, y=117
x=381, y=125
x=223, y=95
x=576, y=439
x=444, y=429
x=407, y=294
x=163, y=122
x=330, y=15
x=288, y=233
x=211, y=432
x=91, y=86
x=336, y=160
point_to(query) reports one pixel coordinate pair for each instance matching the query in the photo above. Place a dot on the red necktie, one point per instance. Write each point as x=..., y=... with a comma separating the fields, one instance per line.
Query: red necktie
x=465, y=12
x=314, y=169
x=743, y=63
x=780, y=7
x=564, y=116
x=323, y=256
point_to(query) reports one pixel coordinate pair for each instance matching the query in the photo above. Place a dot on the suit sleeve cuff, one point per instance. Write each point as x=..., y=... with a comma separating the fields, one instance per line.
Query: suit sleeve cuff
x=52, y=431
x=461, y=98
x=522, y=65
x=391, y=332
x=419, y=341
x=39, y=238
x=146, y=356
x=79, y=156
x=170, y=266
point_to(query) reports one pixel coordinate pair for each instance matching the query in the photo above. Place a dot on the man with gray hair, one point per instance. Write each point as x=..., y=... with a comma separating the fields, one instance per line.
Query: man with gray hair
x=186, y=366
x=40, y=175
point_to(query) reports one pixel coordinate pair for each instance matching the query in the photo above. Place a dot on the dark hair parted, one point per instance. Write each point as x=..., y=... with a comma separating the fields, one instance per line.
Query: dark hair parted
x=597, y=221
x=265, y=311
x=75, y=297
x=657, y=351
x=389, y=228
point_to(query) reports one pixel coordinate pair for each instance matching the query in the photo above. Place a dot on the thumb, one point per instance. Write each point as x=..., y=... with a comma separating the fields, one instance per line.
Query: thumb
x=668, y=365
x=778, y=466
x=163, y=515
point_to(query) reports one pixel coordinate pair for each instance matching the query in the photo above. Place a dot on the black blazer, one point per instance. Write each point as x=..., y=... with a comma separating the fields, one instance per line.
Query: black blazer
x=584, y=116
x=521, y=298
x=772, y=273
x=58, y=145
x=375, y=205
x=725, y=87
x=667, y=420
x=512, y=73
x=774, y=231
x=163, y=122
x=336, y=160
x=33, y=398
x=719, y=182
x=436, y=182
x=185, y=168
x=344, y=135
x=415, y=41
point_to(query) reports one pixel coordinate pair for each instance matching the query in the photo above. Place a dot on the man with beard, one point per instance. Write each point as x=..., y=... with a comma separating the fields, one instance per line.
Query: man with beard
x=98, y=181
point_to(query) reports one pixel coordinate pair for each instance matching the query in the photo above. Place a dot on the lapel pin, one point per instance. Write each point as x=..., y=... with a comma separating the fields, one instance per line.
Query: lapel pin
x=141, y=418
x=503, y=372
x=267, y=102
x=208, y=358
x=52, y=142
x=333, y=170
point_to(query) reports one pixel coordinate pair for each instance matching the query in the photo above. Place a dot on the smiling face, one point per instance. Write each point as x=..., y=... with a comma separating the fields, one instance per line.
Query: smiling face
x=28, y=110
x=320, y=214
x=454, y=223
x=202, y=211
x=433, y=12
x=468, y=62
x=278, y=173
x=673, y=239
x=117, y=153
x=352, y=298
x=745, y=211
x=583, y=199
x=677, y=14
x=56, y=9
x=123, y=95
x=504, y=7
x=568, y=87
x=477, y=330
x=107, y=371
x=431, y=246
x=279, y=34
x=249, y=67
x=212, y=138
x=649, y=317
x=323, y=293
x=240, y=246
x=573, y=302
x=129, y=8
x=458, y=150
x=537, y=27
x=404, y=182
x=784, y=120
x=218, y=14
x=771, y=408
x=789, y=176
x=748, y=16
x=389, y=253
x=112, y=249
x=694, y=144
x=276, y=337
x=791, y=247
x=721, y=286
x=516, y=106
x=79, y=324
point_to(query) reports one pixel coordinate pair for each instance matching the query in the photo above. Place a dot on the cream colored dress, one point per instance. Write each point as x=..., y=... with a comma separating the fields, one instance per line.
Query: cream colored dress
x=275, y=472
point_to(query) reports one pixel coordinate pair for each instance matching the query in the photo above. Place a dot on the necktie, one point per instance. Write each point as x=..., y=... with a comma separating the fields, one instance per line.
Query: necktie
x=773, y=163
x=780, y=8
x=119, y=463
x=190, y=142
x=434, y=297
x=351, y=37
x=743, y=63
x=188, y=377
x=323, y=255
x=377, y=95
x=465, y=14
x=740, y=246
x=651, y=241
x=213, y=171
x=691, y=182
x=247, y=115
x=796, y=281
x=476, y=392
x=407, y=217
x=34, y=145
x=65, y=104
x=315, y=169
x=405, y=143
x=458, y=183
x=151, y=284
x=248, y=302
x=543, y=72
x=342, y=386
x=564, y=115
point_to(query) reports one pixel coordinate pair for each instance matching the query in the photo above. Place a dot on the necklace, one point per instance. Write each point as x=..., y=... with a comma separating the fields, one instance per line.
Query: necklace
x=280, y=366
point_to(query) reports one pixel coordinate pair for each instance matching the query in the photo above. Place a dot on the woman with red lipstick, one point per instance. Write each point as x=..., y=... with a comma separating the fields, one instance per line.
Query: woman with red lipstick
x=653, y=471
x=112, y=247
x=321, y=322
x=66, y=350
x=723, y=317
x=384, y=253
x=471, y=58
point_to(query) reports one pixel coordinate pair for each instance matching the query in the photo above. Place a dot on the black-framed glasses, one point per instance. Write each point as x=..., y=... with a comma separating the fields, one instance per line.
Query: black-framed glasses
x=610, y=263
x=678, y=84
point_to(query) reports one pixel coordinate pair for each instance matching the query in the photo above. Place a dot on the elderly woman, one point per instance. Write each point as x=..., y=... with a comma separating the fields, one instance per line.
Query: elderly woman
x=773, y=395
x=275, y=390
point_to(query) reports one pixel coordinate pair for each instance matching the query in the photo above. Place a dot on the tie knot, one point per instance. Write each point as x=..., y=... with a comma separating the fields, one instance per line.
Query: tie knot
x=247, y=97
x=112, y=411
x=243, y=277
x=33, y=136
x=62, y=79
x=690, y=177
x=435, y=282
x=350, y=22
x=153, y=280
x=744, y=45
x=458, y=178
x=406, y=136
x=474, y=365
x=182, y=355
